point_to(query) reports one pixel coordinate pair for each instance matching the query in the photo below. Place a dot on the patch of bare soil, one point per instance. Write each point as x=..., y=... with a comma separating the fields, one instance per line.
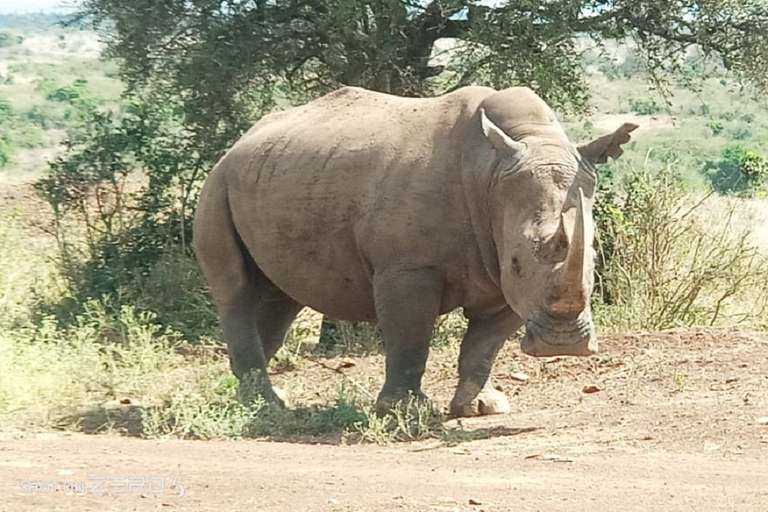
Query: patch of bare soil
x=673, y=420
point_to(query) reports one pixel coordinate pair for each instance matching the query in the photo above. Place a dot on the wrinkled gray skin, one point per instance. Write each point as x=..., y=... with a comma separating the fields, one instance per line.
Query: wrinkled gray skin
x=371, y=207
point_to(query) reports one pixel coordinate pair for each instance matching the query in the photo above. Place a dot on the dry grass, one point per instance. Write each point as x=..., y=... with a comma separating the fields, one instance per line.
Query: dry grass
x=153, y=384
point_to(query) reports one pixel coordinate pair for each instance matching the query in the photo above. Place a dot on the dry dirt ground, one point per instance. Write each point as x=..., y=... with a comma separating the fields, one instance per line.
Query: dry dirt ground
x=676, y=423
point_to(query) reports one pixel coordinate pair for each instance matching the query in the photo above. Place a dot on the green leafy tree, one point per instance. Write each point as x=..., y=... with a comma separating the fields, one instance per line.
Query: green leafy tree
x=222, y=64
x=221, y=48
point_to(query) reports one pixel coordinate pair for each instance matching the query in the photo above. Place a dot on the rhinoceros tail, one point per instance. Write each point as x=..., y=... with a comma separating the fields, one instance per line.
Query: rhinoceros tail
x=225, y=263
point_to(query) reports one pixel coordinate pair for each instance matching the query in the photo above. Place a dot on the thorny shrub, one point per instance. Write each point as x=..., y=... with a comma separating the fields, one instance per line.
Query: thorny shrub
x=668, y=257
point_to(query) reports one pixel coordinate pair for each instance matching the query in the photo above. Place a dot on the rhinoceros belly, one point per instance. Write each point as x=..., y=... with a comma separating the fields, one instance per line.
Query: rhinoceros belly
x=307, y=245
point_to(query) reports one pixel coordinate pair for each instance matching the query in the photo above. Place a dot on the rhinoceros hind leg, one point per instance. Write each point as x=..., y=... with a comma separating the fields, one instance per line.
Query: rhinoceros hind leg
x=254, y=320
x=275, y=312
x=407, y=304
x=265, y=324
x=254, y=313
x=475, y=394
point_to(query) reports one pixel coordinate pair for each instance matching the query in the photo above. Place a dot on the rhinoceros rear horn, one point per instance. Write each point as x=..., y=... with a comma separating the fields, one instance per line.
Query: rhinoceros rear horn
x=572, y=297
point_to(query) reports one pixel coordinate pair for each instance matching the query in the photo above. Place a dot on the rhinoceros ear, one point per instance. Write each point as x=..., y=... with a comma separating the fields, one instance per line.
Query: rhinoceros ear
x=598, y=151
x=498, y=139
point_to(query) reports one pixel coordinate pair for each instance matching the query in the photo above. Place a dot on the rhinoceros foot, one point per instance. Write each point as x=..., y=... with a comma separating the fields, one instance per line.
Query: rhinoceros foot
x=254, y=385
x=409, y=403
x=468, y=401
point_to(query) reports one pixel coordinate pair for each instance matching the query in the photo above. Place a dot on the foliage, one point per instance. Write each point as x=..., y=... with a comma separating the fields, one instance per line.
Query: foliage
x=123, y=234
x=341, y=337
x=644, y=107
x=631, y=65
x=7, y=39
x=741, y=133
x=386, y=45
x=76, y=94
x=676, y=260
x=716, y=127
x=6, y=110
x=740, y=170
x=6, y=154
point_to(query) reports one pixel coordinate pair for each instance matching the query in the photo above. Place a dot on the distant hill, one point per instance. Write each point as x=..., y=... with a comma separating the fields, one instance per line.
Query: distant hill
x=40, y=20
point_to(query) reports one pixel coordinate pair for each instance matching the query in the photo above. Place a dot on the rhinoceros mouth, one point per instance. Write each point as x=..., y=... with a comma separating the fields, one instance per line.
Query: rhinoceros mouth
x=571, y=338
x=560, y=333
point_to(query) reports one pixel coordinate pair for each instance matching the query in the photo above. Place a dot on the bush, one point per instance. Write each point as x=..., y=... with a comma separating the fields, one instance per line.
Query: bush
x=46, y=86
x=76, y=94
x=6, y=110
x=6, y=154
x=677, y=259
x=644, y=107
x=7, y=39
x=24, y=135
x=741, y=133
x=740, y=170
x=67, y=94
x=49, y=116
x=121, y=235
x=716, y=127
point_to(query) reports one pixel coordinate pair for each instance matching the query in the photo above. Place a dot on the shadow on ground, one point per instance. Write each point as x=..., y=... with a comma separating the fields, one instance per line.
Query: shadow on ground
x=341, y=423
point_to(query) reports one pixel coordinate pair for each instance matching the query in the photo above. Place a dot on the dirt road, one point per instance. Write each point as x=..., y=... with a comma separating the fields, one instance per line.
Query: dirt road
x=678, y=424
x=486, y=475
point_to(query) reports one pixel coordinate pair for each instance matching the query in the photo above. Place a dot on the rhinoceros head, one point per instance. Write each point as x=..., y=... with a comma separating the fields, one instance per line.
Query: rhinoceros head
x=541, y=201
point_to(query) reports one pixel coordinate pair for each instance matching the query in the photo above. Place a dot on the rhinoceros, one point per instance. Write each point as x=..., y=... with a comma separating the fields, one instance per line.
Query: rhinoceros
x=371, y=207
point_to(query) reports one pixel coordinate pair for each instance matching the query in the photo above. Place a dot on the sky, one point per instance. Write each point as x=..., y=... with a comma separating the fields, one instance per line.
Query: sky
x=21, y=6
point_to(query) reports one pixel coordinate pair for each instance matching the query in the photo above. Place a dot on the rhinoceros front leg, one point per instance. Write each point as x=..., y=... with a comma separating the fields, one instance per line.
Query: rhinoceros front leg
x=407, y=304
x=475, y=394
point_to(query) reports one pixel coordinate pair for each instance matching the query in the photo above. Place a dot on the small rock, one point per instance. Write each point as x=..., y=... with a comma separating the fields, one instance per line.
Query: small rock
x=520, y=377
x=551, y=457
x=555, y=458
x=475, y=502
x=731, y=379
x=763, y=420
x=590, y=389
x=125, y=401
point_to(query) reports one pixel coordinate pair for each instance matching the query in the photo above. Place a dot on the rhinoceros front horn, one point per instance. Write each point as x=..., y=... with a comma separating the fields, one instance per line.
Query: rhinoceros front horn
x=572, y=297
